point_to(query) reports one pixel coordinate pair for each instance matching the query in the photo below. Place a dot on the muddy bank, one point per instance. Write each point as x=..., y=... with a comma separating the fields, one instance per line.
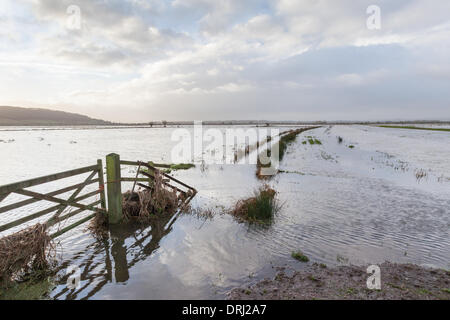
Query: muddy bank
x=398, y=281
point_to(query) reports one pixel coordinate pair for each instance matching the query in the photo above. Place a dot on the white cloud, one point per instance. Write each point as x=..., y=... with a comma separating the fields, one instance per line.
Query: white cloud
x=238, y=59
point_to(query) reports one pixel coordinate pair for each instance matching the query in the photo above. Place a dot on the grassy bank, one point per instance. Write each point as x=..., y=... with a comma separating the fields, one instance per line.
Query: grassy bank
x=416, y=128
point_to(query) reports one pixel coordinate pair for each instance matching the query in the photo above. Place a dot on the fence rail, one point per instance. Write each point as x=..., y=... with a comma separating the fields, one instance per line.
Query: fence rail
x=74, y=200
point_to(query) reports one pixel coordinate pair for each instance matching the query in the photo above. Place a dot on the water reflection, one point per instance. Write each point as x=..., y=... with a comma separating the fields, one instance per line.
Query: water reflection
x=109, y=260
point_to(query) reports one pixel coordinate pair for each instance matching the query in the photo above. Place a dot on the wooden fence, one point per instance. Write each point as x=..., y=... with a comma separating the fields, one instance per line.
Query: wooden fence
x=95, y=176
x=112, y=207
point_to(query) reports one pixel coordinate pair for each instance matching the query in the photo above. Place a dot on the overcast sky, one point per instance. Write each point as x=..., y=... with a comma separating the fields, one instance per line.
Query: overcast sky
x=142, y=60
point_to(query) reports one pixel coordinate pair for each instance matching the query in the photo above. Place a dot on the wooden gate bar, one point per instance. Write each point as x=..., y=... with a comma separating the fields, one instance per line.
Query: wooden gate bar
x=52, y=221
x=53, y=193
x=76, y=193
x=163, y=182
x=41, y=213
x=57, y=200
x=76, y=224
x=3, y=196
x=129, y=179
x=33, y=182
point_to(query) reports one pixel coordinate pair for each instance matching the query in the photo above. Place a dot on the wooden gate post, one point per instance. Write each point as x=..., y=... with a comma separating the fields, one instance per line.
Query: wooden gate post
x=101, y=184
x=114, y=189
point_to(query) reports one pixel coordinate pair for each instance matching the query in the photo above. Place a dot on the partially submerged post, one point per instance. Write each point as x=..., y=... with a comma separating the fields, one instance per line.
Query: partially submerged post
x=114, y=189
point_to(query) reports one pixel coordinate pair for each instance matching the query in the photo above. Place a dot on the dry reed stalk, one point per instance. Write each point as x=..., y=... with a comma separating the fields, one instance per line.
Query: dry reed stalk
x=24, y=251
x=144, y=204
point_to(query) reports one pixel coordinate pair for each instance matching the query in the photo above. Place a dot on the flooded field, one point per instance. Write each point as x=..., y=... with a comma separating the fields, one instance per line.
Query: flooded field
x=362, y=195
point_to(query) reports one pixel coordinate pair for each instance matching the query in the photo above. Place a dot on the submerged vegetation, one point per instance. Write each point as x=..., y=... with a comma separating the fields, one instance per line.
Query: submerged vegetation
x=420, y=174
x=286, y=138
x=168, y=168
x=260, y=208
x=34, y=289
x=298, y=255
x=313, y=140
x=182, y=166
x=416, y=128
x=26, y=251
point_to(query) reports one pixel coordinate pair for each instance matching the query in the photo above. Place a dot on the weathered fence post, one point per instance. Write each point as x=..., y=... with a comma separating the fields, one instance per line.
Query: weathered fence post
x=101, y=184
x=114, y=188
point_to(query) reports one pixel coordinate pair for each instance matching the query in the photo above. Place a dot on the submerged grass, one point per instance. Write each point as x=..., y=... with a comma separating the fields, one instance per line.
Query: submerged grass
x=313, y=141
x=286, y=138
x=260, y=208
x=298, y=255
x=168, y=168
x=416, y=128
x=35, y=289
x=182, y=166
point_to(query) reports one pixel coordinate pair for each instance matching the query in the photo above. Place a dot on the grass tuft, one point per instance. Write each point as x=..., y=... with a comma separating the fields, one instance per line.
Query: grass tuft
x=259, y=208
x=298, y=255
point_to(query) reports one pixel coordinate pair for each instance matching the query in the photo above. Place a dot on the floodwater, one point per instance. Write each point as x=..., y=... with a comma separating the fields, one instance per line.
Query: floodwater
x=380, y=194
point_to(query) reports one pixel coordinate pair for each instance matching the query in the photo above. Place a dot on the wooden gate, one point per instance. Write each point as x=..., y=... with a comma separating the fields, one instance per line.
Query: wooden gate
x=74, y=200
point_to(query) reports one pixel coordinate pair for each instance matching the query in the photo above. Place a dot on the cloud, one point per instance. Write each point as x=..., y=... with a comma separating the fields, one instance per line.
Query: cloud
x=201, y=59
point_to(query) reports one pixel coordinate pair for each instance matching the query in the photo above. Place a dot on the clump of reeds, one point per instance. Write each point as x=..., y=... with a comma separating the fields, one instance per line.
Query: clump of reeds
x=27, y=250
x=259, y=208
x=146, y=203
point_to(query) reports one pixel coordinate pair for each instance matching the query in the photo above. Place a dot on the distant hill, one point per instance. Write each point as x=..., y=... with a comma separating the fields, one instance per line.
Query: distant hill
x=16, y=116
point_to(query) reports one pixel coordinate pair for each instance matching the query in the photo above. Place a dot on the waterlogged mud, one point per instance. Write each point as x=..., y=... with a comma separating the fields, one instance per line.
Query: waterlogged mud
x=398, y=281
